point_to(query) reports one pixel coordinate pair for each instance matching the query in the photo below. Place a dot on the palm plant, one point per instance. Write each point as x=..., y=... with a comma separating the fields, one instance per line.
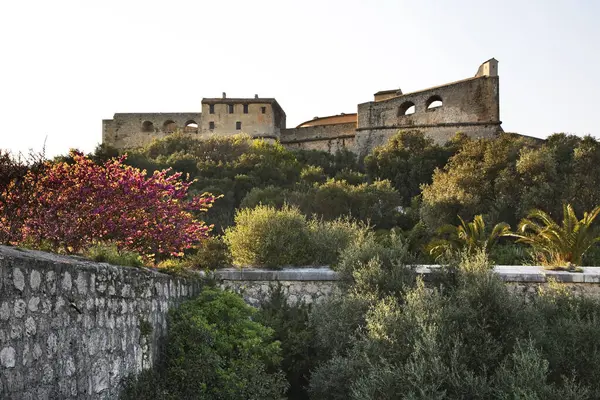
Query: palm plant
x=468, y=236
x=559, y=245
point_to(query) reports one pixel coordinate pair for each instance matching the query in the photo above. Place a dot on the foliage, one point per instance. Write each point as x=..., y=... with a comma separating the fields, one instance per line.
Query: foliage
x=408, y=160
x=559, y=245
x=291, y=327
x=375, y=203
x=265, y=236
x=467, y=237
x=19, y=175
x=270, y=237
x=74, y=205
x=109, y=253
x=215, y=350
x=469, y=337
x=212, y=253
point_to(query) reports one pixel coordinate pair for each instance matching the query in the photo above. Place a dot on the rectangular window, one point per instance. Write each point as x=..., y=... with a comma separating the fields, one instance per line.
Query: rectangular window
x=231, y=109
x=238, y=126
x=245, y=108
x=211, y=108
x=211, y=125
x=263, y=110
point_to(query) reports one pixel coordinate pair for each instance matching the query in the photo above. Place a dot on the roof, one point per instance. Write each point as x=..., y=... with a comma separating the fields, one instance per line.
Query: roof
x=330, y=120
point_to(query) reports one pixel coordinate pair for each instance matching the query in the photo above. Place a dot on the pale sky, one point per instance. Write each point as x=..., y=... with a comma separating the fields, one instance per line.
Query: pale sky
x=68, y=64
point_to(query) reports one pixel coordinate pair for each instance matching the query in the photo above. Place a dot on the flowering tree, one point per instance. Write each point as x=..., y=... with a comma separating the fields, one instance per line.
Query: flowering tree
x=78, y=204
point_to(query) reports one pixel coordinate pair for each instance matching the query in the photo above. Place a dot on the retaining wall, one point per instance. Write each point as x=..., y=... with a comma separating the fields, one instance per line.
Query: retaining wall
x=315, y=284
x=71, y=328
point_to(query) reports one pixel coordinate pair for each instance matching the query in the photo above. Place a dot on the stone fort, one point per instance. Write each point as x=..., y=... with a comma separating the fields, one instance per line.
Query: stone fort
x=470, y=106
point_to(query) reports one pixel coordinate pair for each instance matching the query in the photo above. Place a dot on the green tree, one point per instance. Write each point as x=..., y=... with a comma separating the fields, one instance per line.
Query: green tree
x=468, y=236
x=559, y=245
x=408, y=160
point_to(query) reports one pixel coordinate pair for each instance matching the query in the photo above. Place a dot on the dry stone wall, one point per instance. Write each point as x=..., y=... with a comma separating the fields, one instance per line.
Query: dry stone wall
x=73, y=329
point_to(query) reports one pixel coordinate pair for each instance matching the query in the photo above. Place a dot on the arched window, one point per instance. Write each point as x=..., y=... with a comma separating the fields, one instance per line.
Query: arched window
x=407, y=108
x=191, y=126
x=147, y=126
x=434, y=102
x=169, y=126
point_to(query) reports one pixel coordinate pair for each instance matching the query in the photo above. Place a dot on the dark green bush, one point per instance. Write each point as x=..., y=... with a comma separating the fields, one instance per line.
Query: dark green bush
x=291, y=327
x=466, y=338
x=215, y=351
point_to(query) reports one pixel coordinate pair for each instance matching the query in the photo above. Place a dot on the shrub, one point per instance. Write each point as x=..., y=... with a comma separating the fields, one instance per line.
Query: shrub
x=212, y=253
x=73, y=205
x=291, y=327
x=215, y=351
x=328, y=239
x=110, y=253
x=559, y=245
x=267, y=237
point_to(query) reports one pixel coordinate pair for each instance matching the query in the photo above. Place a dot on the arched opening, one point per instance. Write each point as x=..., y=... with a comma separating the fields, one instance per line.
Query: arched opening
x=169, y=126
x=191, y=126
x=407, y=108
x=434, y=102
x=147, y=126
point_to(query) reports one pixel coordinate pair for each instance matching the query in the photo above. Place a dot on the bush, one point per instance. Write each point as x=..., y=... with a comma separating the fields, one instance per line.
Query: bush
x=291, y=326
x=212, y=253
x=109, y=253
x=267, y=237
x=330, y=238
x=215, y=351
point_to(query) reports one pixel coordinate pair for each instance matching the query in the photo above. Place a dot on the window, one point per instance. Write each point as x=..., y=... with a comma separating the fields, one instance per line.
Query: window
x=191, y=126
x=169, y=126
x=433, y=102
x=231, y=109
x=238, y=126
x=263, y=110
x=211, y=108
x=211, y=125
x=245, y=108
x=407, y=108
x=147, y=126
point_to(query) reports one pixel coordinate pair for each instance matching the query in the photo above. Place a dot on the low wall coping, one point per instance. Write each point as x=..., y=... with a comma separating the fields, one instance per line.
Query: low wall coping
x=508, y=273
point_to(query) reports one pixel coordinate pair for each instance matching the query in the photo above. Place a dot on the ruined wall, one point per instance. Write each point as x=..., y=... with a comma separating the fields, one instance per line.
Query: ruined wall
x=470, y=106
x=73, y=329
x=329, y=138
x=138, y=129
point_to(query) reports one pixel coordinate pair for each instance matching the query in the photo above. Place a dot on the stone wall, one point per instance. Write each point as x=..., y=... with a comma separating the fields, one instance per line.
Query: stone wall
x=71, y=328
x=315, y=284
x=330, y=138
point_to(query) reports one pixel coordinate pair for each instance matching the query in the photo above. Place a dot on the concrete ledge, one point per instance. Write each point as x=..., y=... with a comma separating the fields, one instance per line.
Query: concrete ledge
x=508, y=273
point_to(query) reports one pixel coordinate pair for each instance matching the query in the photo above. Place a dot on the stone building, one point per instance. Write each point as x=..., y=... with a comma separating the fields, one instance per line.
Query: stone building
x=470, y=106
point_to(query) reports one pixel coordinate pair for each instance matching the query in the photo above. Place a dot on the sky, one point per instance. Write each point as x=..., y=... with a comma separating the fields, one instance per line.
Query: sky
x=67, y=64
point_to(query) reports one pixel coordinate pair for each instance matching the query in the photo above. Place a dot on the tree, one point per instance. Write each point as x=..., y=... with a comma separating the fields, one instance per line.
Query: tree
x=75, y=205
x=408, y=160
x=559, y=245
x=468, y=236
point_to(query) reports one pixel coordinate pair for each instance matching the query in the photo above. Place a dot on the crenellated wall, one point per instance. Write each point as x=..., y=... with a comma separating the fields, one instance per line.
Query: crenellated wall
x=73, y=329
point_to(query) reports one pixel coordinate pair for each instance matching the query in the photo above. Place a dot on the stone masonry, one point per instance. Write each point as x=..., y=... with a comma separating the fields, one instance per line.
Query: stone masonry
x=470, y=106
x=73, y=329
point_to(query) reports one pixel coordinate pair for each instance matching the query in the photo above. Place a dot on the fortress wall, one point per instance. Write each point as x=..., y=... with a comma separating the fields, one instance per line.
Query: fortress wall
x=125, y=130
x=474, y=100
x=329, y=138
x=367, y=139
x=73, y=329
